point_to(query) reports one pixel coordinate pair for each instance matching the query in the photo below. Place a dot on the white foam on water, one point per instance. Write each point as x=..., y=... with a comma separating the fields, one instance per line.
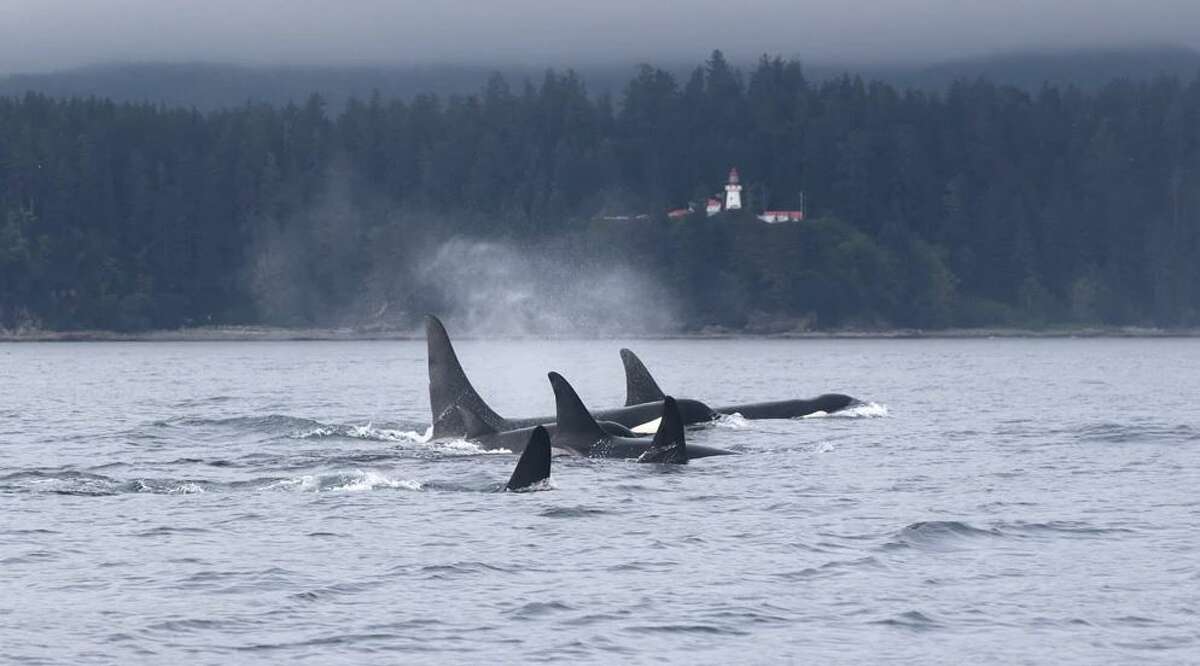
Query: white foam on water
x=356, y=481
x=186, y=489
x=367, y=432
x=732, y=421
x=407, y=439
x=312, y=433
x=544, y=484
x=370, y=432
x=865, y=410
x=370, y=480
x=462, y=447
x=306, y=483
x=825, y=447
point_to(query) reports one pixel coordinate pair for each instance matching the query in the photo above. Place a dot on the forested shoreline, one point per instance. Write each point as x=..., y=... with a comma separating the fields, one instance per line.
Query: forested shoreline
x=982, y=206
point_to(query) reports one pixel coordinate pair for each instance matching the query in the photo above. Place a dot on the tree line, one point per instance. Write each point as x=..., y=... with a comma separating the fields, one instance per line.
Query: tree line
x=981, y=205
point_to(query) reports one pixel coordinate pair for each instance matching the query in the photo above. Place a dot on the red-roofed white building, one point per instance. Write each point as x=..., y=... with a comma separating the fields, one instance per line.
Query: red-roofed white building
x=775, y=216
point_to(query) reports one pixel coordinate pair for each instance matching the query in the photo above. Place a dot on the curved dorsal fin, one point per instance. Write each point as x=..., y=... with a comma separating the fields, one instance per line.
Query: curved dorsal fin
x=534, y=464
x=639, y=383
x=570, y=413
x=449, y=387
x=669, y=444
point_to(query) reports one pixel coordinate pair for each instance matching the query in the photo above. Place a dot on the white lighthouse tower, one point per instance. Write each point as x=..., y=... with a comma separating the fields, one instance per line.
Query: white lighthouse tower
x=733, y=191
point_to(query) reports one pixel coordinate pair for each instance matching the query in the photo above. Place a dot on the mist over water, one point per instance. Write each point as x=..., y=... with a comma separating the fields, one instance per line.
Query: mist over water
x=404, y=264
x=491, y=288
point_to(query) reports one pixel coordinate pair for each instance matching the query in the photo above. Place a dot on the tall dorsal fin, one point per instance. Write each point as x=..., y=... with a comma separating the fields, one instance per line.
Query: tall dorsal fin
x=534, y=464
x=449, y=387
x=669, y=444
x=570, y=413
x=475, y=427
x=639, y=383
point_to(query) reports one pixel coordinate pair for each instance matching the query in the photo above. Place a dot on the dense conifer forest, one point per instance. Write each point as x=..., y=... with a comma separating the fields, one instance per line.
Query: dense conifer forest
x=976, y=206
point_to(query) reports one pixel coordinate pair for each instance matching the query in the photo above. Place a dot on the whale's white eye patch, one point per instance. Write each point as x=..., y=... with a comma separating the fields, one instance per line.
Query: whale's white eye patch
x=648, y=428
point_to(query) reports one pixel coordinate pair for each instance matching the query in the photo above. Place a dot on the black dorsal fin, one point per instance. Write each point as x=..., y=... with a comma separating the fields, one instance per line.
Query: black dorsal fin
x=475, y=427
x=570, y=413
x=640, y=386
x=534, y=465
x=670, y=445
x=449, y=387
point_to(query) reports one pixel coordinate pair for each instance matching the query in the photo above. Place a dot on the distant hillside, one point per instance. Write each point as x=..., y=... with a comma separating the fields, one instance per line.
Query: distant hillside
x=208, y=86
x=1087, y=69
x=980, y=207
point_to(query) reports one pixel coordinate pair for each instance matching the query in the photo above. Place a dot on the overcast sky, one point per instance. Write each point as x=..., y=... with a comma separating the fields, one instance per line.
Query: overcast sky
x=49, y=34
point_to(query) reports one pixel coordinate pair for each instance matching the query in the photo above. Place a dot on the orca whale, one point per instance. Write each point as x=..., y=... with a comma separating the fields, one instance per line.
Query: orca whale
x=489, y=438
x=640, y=387
x=576, y=432
x=449, y=389
x=534, y=463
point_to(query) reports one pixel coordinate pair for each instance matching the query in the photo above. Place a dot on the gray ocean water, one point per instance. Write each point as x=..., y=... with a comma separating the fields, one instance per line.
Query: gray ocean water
x=999, y=501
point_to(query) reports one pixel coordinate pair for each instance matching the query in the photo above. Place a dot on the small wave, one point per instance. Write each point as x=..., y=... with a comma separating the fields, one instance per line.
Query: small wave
x=544, y=484
x=456, y=569
x=944, y=527
x=938, y=534
x=356, y=481
x=830, y=569
x=268, y=422
x=862, y=410
x=915, y=620
x=1120, y=433
x=164, y=530
x=690, y=629
x=166, y=487
x=32, y=557
x=732, y=421
x=461, y=447
x=572, y=512
x=642, y=566
x=1064, y=527
x=327, y=591
x=189, y=625
x=539, y=609
x=200, y=402
x=1136, y=621
x=409, y=440
x=741, y=615
x=61, y=483
x=367, y=432
x=94, y=485
x=321, y=641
